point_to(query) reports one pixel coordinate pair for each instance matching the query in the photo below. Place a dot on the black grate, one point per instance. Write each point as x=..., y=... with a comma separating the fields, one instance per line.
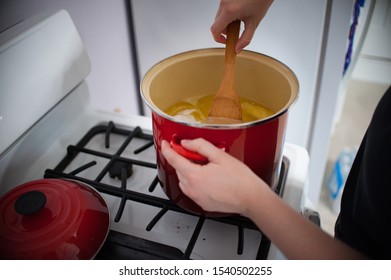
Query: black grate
x=122, y=246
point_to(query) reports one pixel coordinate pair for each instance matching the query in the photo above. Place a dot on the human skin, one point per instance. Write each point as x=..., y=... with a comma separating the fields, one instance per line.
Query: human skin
x=214, y=187
x=250, y=12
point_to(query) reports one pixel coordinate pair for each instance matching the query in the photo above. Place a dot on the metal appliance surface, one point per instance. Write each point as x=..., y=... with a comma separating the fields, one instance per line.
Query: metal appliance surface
x=68, y=138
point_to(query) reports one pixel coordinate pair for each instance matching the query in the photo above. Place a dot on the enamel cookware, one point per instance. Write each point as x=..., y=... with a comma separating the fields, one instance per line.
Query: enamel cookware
x=258, y=144
x=52, y=219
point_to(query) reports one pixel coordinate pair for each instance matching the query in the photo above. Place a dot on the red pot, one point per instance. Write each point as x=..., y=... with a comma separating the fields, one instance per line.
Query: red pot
x=258, y=144
x=52, y=219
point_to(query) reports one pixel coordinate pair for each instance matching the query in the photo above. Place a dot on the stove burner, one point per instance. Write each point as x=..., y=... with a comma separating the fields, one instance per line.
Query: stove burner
x=115, y=170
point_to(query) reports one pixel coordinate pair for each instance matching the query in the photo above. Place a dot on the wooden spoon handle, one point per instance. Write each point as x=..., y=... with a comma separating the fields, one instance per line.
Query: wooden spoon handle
x=228, y=84
x=232, y=38
x=226, y=108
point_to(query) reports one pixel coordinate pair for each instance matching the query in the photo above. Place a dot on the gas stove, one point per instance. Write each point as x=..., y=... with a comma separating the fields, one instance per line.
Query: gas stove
x=120, y=163
x=65, y=137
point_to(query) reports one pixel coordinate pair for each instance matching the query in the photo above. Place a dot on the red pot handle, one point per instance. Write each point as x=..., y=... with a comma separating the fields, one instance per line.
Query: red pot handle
x=194, y=156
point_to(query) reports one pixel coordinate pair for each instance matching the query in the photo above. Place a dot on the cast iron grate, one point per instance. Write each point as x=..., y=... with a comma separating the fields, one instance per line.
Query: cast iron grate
x=122, y=246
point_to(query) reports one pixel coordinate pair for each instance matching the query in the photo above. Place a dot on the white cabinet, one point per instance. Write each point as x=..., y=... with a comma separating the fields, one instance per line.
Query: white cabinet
x=104, y=29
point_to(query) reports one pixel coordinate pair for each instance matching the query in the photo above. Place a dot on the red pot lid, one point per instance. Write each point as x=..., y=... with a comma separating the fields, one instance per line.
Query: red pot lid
x=52, y=219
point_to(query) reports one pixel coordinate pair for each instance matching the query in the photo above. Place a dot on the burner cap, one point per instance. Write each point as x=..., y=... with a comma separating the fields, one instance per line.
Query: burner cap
x=115, y=170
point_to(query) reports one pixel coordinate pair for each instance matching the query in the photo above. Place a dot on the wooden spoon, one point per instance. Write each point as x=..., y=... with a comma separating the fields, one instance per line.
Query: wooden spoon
x=225, y=108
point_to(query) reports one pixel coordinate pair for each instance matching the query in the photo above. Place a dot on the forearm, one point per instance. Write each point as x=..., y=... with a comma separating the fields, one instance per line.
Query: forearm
x=294, y=235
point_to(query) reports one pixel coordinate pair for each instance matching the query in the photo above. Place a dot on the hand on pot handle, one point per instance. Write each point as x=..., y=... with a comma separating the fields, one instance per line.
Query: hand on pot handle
x=224, y=184
x=191, y=155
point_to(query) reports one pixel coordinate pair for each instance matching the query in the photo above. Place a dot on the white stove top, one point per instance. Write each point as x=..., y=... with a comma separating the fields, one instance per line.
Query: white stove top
x=45, y=145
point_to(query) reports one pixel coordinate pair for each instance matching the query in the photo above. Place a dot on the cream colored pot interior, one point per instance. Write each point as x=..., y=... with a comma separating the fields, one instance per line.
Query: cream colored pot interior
x=199, y=72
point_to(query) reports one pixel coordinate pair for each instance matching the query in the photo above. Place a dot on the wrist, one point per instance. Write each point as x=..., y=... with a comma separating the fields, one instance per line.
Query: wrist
x=254, y=198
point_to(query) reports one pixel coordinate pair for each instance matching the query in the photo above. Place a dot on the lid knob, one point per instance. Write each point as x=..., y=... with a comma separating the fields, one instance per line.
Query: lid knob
x=30, y=202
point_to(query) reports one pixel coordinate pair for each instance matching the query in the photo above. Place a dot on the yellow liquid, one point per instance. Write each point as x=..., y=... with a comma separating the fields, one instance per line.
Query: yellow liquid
x=196, y=109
